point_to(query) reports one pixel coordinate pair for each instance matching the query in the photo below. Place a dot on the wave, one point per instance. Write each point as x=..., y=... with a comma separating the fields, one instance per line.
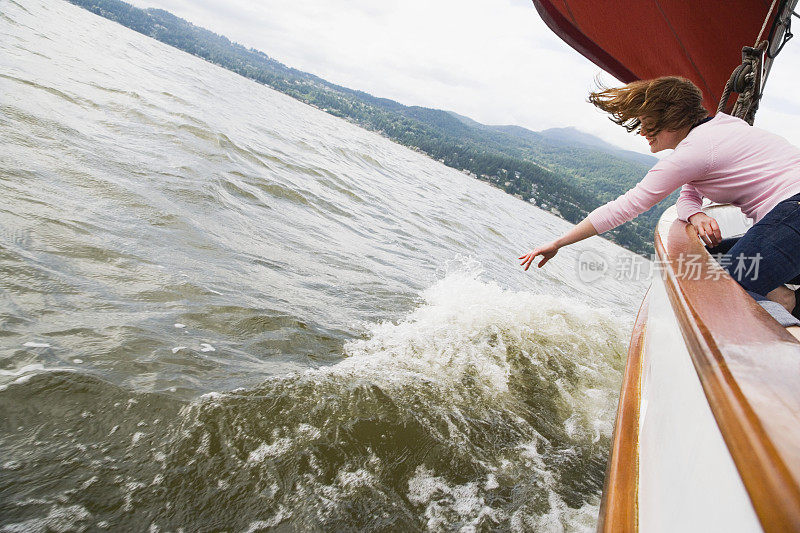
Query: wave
x=482, y=408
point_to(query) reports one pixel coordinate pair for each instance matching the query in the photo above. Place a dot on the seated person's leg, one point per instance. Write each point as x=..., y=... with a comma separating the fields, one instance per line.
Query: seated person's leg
x=768, y=255
x=723, y=246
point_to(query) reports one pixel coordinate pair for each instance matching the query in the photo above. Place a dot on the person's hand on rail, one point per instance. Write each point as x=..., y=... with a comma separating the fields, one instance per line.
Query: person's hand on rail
x=707, y=229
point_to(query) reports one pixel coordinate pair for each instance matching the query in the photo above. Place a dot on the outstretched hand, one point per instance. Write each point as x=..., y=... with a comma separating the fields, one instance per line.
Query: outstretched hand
x=547, y=251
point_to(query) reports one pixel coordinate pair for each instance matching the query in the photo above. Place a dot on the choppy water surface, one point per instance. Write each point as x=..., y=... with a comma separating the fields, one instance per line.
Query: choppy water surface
x=222, y=309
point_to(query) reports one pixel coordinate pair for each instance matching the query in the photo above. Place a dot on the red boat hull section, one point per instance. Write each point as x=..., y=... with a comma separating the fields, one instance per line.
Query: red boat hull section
x=643, y=39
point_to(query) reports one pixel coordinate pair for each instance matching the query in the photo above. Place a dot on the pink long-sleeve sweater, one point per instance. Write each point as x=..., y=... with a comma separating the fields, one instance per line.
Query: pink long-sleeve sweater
x=725, y=160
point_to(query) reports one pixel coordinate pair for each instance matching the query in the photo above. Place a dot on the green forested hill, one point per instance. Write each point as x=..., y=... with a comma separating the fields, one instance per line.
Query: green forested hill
x=568, y=177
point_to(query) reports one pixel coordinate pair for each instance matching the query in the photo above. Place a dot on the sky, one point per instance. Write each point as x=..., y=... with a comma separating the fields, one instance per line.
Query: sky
x=494, y=61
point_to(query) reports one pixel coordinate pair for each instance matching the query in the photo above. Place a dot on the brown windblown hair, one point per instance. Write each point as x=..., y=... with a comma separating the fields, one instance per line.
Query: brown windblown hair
x=671, y=103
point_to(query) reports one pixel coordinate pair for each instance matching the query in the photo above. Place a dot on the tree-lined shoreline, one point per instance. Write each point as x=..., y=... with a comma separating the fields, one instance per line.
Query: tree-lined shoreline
x=554, y=170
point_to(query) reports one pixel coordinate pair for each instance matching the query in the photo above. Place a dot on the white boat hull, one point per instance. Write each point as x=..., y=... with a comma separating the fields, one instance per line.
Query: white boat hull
x=707, y=436
x=687, y=478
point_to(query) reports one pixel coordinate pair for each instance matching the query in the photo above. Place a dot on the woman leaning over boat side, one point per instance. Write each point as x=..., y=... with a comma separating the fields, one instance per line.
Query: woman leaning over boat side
x=721, y=158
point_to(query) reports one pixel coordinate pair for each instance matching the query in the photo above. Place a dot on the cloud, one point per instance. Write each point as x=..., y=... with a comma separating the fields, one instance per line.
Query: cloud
x=494, y=61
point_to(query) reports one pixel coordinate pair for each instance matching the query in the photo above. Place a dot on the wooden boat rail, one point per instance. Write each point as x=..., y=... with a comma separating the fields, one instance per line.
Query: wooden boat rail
x=618, y=509
x=749, y=369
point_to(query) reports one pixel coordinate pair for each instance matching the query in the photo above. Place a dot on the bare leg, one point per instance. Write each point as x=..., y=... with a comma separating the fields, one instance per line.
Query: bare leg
x=784, y=296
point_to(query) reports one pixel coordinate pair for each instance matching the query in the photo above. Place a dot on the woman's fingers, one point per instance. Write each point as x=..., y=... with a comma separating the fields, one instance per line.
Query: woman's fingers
x=547, y=252
x=701, y=232
x=716, y=232
x=709, y=233
x=712, y=234
x=707, y=229
x=708, y=237
x=528, y=258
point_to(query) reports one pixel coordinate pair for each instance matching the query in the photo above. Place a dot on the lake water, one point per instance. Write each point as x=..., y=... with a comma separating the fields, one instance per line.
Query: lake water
x=222, y=309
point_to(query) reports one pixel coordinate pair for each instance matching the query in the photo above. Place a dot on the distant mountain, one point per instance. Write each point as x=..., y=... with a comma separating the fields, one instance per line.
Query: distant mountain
x=568, y=137
x=468, y=121
x=564, y=171
x=572, y=136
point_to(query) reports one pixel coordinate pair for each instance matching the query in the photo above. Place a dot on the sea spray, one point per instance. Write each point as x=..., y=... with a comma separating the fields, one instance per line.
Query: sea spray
x=482, y=408
x=479, y=409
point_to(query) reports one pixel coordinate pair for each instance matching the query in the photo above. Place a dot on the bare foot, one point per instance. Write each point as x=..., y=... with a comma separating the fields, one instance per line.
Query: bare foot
x=784, y=296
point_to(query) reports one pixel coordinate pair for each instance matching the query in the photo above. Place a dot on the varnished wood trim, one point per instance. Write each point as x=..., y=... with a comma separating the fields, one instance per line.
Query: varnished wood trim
x=618, y=508
x=749, y=367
